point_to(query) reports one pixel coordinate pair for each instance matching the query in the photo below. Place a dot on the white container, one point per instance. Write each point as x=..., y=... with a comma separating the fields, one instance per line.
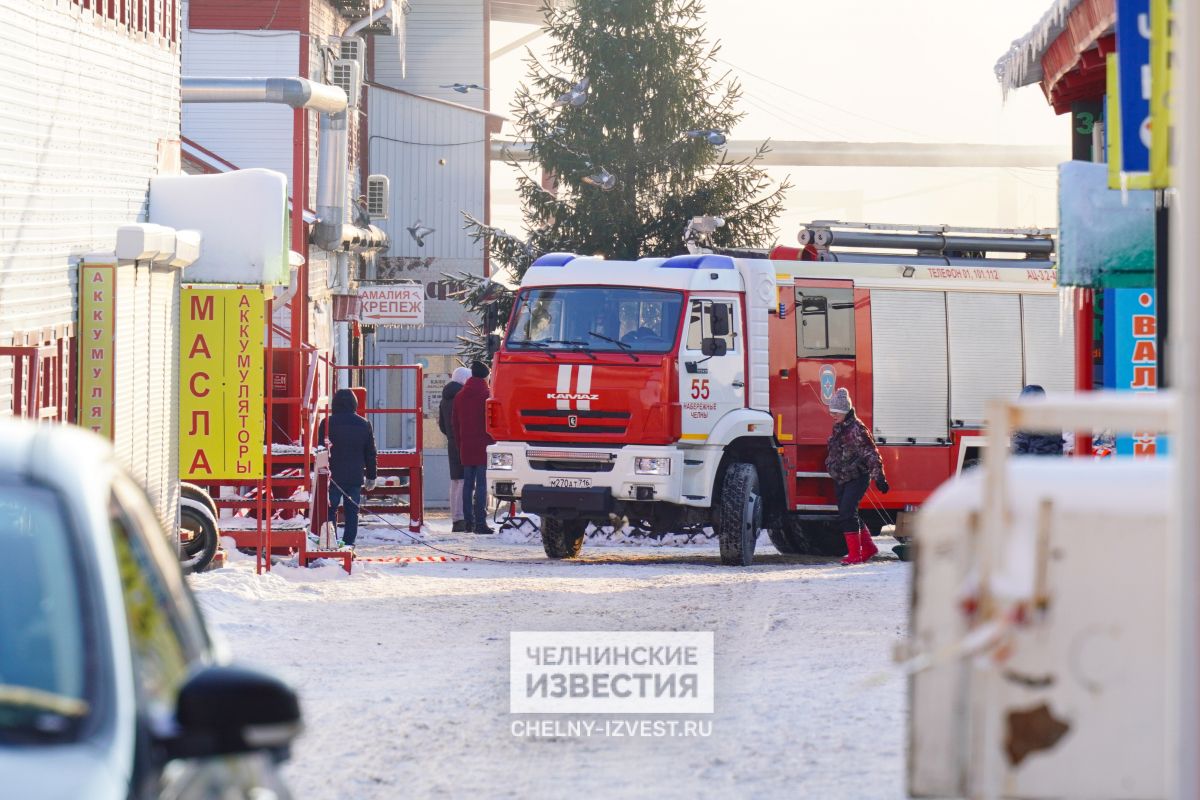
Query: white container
x=1078, y=707
x=241, y=216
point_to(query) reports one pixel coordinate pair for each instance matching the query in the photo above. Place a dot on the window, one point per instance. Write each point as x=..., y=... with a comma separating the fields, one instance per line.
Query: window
x=700, y=324
x=43, y=626
x=596, y=318
x=825, y=323
x=165, y=631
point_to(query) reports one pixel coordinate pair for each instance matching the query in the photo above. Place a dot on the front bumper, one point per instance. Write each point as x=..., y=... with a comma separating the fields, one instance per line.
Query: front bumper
x=546, y=484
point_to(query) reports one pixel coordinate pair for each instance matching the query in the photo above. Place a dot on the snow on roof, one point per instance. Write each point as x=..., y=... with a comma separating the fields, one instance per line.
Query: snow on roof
x=1022, y=64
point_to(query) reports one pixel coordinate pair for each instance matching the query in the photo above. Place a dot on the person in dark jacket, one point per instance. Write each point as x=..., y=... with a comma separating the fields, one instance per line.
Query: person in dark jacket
x=853, y=461
x=351, y=454
x=470, y=431
x=446, y=426
x=1025, y=443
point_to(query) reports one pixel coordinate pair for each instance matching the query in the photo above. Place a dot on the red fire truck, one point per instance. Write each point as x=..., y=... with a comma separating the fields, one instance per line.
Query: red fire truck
x=694, y=389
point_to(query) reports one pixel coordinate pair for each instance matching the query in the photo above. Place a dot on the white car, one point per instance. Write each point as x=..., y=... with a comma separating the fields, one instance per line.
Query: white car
x=109, y=686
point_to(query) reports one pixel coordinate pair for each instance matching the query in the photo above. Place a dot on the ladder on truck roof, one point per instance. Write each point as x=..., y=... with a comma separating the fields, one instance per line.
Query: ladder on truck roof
x=868, y=242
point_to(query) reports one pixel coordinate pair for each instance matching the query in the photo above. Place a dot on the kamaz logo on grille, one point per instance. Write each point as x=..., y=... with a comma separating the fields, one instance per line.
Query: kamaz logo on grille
x=572, y=421
x=567, y=396
x=573, y=390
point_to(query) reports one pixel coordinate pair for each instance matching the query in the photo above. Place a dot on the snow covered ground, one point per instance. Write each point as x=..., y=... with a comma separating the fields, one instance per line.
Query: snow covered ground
x=403, y=669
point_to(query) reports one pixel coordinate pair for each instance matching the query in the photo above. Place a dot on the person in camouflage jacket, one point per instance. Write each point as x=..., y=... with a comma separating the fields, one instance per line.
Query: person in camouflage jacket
x=853, y=461
x=1026, y=443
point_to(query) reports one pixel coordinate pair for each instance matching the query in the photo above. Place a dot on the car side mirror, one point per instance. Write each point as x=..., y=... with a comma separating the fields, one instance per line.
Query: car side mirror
x=493, y=344
x=719, y=319
x=713, y=347
x=224, y=710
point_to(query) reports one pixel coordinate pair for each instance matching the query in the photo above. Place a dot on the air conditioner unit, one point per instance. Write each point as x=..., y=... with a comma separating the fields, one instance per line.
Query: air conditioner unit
x=347, y=74
x=351, y=48
x=377, y=196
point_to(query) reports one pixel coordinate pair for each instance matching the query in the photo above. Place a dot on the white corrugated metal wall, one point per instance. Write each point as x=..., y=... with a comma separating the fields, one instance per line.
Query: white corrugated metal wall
x=247, y=134
x=444, y=45
x=89, y=113
x=74, y=162
x=435, y=155
x=409, y=139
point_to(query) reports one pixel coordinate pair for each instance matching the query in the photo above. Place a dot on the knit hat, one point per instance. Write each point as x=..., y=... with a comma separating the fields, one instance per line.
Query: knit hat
x=479, y=369
x=460, y=375
x=840, y=404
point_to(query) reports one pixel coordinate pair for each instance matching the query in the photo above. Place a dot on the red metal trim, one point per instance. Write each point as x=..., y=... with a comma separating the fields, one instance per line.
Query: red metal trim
x=1085, y=321
x=1089, y=22
x=197, y=146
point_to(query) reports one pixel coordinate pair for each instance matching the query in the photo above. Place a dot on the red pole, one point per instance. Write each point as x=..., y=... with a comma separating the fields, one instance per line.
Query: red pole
x=416, y=481
x=1085, y=319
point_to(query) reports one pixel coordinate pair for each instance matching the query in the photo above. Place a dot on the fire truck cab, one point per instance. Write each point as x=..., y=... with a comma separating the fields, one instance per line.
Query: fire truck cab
x=694, y=389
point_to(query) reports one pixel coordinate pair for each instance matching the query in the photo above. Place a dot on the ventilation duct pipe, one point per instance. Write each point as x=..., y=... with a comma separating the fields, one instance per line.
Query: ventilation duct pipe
x=294, y=92
x=333, y=157
x=332, y=168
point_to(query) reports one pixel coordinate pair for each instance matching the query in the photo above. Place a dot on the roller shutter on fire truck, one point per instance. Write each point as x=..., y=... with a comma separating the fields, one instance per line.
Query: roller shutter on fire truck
x=985, y=352
x=939, y=357
x=1049, y=337
x=908, y=337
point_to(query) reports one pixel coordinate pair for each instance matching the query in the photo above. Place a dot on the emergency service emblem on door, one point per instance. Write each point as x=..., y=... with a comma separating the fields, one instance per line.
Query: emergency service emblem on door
x=828, y=383
x=573, y=390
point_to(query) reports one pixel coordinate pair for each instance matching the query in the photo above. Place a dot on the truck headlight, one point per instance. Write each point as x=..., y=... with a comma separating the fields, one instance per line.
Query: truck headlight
x=500, y=461
x=652, y=466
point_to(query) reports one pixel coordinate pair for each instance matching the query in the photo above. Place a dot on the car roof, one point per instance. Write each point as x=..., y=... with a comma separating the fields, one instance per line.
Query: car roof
x=51, y=453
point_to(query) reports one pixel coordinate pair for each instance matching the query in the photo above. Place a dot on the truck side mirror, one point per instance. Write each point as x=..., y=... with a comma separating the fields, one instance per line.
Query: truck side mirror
x=719, y=319
x=713, y=346
x=224, y=710
x=493, y=344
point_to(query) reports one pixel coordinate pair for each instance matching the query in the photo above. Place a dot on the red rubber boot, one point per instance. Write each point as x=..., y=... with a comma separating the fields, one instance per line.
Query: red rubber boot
x=853, y=548
x=868, y=543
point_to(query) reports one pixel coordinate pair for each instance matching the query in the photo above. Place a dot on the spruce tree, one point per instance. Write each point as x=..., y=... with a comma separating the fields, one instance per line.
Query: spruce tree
x=625, y=121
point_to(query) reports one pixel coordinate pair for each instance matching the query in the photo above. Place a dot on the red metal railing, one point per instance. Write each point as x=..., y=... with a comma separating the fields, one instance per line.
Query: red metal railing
x=403, y=466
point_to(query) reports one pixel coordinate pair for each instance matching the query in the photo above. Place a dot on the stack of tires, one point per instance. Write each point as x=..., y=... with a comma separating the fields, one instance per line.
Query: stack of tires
x=199, y=534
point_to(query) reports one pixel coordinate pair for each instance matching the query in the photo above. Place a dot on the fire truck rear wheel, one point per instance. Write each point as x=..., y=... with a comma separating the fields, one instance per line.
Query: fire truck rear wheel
x=738, y=517
x=826, y=538
x=790, y=539
x=562, y=538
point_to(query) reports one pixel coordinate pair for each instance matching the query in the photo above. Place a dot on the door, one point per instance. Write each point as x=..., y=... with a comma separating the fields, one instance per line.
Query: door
x=712, y=374
x=397, y=389
x=824, y=355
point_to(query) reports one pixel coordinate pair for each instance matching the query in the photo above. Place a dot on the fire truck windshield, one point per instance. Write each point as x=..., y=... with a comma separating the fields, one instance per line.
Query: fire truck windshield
x=599, y=318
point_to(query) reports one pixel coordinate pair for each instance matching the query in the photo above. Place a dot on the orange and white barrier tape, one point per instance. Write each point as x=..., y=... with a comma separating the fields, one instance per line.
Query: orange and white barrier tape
x=414, y=559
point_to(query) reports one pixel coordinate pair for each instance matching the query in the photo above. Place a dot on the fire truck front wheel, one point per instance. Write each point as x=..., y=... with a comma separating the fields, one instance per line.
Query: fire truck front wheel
x=562, y=538
x=738, y=517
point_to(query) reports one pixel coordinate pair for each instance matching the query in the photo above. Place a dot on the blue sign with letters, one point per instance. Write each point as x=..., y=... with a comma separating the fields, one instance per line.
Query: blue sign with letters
x=1133, y=70
x=1131, y=358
